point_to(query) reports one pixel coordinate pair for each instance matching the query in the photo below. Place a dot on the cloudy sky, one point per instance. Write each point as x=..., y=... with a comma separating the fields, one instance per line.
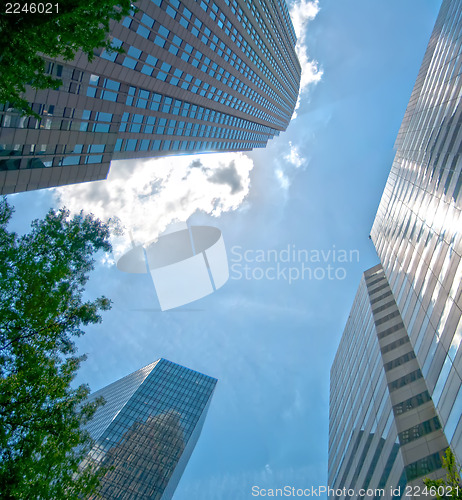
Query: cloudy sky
x=314, y=189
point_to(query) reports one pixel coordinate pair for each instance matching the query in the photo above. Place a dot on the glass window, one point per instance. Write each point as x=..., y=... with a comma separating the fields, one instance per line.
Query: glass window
x=130, y=145
x=151, y=60
x=144, y=32
x=94, y=159
x=129, y=63
x=147, y=20
x=104, y=117
x=70, y=160
x=111, y=84
x=177, y=40
x=101, y=127
x=171, y=12
x=109, y=96
x=163, y=31
x=96, y=148
x=134, y=52
x=159, y=41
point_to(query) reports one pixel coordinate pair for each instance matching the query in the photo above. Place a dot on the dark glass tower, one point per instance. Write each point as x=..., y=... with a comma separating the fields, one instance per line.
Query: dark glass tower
x=148, y=428
x=214, y=75
x=396, y=382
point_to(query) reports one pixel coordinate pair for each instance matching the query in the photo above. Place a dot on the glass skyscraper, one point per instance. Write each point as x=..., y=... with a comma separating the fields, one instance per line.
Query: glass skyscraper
x=148, y=428
x=404, y=398
x=384, y=430
x=209, y=75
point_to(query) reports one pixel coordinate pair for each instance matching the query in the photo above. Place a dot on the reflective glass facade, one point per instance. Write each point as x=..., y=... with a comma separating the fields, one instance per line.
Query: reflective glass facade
x=147, y=430
x=204, y=75
x=418, y=228
x=384, y=430
x=396, y=387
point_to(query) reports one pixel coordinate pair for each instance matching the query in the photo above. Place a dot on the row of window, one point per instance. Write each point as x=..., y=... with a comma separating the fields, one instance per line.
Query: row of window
x=231, y=31
x=137, y=123
x=269, y=32
x=203, y=33
x=169, y=145
x=182, y=128
x=163, y=71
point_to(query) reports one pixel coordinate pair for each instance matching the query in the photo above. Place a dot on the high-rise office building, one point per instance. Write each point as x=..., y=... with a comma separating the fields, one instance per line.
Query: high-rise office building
x=209, y=75
x=417, y=234
x=145, y=433
x=384, y=430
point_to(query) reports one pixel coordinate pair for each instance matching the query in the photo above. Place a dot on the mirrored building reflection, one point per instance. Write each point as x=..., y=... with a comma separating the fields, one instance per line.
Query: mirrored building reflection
x=147, y=430
x=397, y=375
x=215, y=75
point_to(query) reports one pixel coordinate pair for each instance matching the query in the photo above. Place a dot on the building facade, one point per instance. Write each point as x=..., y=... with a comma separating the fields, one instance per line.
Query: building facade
x=385, y=433
x=417, y=234
x=145, y=433
x=209, y=75
x=418, y=228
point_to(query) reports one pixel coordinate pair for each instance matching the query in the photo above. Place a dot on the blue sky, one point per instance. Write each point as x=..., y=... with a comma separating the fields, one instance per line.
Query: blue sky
x=316, y=187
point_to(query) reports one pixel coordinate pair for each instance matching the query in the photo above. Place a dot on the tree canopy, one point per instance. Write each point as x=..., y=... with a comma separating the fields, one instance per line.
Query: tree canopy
x=42, y=310
x=26, y=36
x=451, y=487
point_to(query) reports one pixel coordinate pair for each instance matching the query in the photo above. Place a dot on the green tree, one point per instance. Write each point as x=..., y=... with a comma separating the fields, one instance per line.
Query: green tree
x=27, y=36
x=451, y=487
x=42, y=310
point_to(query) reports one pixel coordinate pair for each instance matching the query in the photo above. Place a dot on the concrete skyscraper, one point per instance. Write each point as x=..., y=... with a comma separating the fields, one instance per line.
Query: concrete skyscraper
x=402, y=404
x=148, y=428
x=214, y=75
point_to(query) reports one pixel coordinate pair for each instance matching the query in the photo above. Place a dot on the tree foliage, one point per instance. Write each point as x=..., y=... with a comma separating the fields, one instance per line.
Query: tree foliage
x=451, y=487
x=42, y=310
x=26, y=37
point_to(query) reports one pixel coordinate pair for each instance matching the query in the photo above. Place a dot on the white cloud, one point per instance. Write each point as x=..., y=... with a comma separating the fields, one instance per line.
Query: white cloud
x=282, y=178
x=294, y=156
x=285, y=171
x=147, y=195
x=302, y=13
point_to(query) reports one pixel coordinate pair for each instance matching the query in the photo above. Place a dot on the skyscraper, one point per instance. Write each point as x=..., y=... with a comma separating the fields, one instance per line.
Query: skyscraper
x=417, y=230
x=384, y=430
x=417, y=234
x=215, y=75
x=148, y=428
